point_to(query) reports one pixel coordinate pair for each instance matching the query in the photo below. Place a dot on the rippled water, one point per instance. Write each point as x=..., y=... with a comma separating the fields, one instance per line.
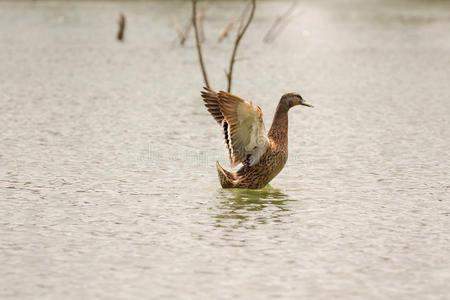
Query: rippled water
x=107, y=177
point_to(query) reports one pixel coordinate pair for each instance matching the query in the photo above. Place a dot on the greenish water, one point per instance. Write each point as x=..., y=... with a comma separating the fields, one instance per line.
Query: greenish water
x=107, y=156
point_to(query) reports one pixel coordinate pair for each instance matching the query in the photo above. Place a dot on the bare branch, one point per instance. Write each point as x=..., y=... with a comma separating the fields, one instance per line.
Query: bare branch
x=178, y=29
x=279, y=24
x=182, y=34
x=239, y=36
x=230, y=25
x=198, y=43
x=224, y=34
x=200, y=19
x=122, y=25
x=186, y=32
x=242, y=16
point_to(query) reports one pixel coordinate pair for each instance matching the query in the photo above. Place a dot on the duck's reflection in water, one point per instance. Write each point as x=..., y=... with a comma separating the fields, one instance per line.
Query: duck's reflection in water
x=248, y=208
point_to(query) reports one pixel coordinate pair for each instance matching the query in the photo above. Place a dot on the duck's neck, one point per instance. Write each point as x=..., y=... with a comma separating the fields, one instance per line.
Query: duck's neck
x=279, y=130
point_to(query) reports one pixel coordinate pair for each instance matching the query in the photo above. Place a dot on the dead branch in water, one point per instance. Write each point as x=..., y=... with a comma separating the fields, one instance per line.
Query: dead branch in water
x=242, y=16
x=182, y=34
x=224, y=34
x=240, y=33
x=198, y=43
x=279, y=24
x=200, y=19
x=244, y=24
x=178, y=30
x=122, y=25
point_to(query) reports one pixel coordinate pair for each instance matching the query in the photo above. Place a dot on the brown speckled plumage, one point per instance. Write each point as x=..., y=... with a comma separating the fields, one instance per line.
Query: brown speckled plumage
x=262, y=157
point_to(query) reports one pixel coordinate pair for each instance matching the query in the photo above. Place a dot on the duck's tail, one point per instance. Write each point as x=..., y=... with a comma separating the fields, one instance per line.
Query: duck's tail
x=225, y=177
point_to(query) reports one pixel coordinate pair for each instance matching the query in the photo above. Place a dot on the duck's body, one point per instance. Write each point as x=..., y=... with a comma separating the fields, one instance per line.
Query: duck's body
x=262, y=156
x=258, y=175
x=269, y=165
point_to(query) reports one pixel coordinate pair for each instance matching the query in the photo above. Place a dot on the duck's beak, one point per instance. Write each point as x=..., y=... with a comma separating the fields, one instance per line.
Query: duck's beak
x=306, y=104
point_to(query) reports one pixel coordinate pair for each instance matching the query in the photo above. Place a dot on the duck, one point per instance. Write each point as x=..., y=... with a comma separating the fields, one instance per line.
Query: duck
x=262, y=155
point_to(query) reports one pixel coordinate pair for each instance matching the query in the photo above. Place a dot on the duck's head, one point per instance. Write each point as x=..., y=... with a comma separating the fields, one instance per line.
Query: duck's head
x=292, y=99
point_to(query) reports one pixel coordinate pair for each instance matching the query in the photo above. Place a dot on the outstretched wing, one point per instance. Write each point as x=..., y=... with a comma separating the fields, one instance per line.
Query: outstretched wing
x=243, y=125
x=211, y=100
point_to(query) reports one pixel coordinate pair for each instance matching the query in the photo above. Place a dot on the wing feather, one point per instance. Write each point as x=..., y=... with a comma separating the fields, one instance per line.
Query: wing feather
x=247, y=136
x=243, y=125
x=212, y=104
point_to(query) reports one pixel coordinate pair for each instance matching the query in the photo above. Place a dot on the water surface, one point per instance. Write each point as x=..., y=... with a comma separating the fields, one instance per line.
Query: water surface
x=107, y=156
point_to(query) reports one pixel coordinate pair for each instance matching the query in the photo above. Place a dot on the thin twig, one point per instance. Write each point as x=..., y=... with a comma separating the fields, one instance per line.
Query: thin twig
x=182, y=34
x=242, y=16
x=178, y=30
x=278, y=31
x=230, y=25
x=239, y=36
x=277, y=25
x=198, y=44
x=224, y=34
x=122, y=25
x=186, y=32
x=201, y=18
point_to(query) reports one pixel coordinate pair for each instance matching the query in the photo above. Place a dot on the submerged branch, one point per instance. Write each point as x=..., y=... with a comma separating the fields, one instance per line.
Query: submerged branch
x=279, y=24
x=224, y=34
x=239, y=35
x=198, y=43
x=122, y=25
x=200, y=19
x=185, y=33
